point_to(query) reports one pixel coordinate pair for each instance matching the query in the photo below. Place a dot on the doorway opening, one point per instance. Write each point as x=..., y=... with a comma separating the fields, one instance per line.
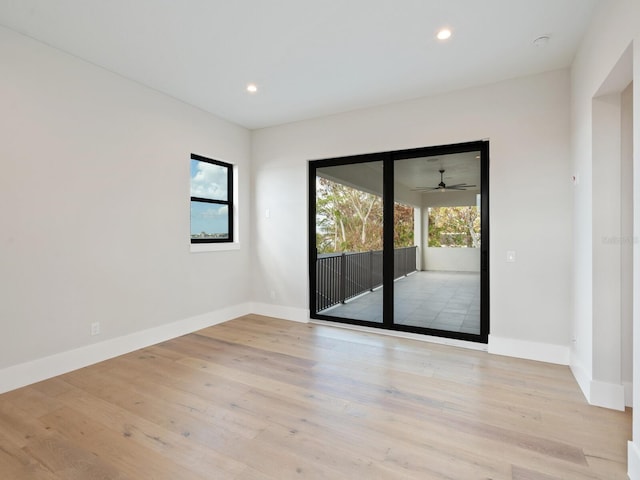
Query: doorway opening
x=399, y=240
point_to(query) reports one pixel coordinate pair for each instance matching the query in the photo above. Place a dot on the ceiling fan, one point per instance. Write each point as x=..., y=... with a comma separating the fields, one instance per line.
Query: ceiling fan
x=443, y=187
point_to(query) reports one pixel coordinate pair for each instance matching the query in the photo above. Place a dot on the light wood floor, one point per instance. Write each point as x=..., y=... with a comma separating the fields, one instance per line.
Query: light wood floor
x=264, y=399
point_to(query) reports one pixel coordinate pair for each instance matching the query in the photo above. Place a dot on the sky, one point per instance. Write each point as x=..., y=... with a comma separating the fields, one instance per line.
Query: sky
x=208, y=181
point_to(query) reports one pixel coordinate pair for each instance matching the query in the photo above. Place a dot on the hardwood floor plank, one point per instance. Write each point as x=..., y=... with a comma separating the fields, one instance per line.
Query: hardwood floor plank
x=175, y=418
x=70, y=461
x=259, y=398
x=19, y=426
x=519, y=473
x=115, y=449
x=176, y=447
x=252, y=474
x=17, y=464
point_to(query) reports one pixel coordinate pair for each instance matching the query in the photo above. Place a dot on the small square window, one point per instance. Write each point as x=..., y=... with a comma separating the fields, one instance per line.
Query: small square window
x=211, y=200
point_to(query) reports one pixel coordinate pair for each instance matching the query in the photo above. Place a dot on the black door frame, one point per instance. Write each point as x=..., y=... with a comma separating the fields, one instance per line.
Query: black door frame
x=388, y=159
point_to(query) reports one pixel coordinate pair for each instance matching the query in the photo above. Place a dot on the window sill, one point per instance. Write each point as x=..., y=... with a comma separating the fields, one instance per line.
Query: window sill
x=213, y=247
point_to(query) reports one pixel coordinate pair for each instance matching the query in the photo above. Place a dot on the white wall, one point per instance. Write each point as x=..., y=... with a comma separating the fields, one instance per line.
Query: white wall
x=94, y=203
x=527, y=122
x=452, y=259
x=602, y=68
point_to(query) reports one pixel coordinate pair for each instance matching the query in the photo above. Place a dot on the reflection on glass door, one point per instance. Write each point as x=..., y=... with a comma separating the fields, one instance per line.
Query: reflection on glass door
x=349, y=242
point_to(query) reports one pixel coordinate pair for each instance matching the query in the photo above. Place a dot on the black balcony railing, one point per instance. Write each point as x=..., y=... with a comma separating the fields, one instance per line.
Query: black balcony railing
x=341, y=276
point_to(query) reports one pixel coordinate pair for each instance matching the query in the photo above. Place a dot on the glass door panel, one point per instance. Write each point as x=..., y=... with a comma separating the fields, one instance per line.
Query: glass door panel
x=349, y=242
x=437, y=236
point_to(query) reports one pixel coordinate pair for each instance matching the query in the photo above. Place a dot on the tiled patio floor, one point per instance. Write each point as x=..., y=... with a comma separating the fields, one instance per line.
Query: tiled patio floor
x=440, y=300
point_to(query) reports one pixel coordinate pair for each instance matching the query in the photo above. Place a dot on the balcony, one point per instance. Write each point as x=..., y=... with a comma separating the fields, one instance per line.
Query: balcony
x=349, y=286
x=342, y=276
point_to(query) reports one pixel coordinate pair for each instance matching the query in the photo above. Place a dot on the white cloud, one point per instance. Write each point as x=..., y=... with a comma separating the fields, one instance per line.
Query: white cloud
x=209, y=181
x=214, y=212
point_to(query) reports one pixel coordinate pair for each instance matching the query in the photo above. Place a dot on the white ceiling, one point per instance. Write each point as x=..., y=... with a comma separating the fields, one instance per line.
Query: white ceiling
x=308, y=57
x=423, y=173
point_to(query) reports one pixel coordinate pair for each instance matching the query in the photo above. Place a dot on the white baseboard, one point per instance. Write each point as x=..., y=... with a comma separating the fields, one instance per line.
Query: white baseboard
x=602, y=394
x=582, y=377
x=542, y=352
x=633, y=460
x=607, y=395
x=40, y=369
x=279, y=311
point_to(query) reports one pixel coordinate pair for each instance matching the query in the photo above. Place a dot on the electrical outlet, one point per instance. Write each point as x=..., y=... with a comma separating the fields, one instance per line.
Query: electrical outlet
x=95, y=328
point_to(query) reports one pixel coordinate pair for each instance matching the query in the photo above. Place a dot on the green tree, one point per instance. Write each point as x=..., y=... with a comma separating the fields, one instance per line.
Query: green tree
x=351, y=220
x=454, y=227
x=403, y=228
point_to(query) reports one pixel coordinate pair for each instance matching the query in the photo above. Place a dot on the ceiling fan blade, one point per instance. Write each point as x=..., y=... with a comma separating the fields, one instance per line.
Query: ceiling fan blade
x=457, y=186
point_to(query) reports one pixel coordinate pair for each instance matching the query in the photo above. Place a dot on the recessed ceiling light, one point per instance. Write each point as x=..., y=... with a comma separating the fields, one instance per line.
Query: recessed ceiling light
x=443, y=34
x=252, y=88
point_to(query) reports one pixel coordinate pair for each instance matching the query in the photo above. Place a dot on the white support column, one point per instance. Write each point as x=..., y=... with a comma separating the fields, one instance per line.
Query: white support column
x=417, y=235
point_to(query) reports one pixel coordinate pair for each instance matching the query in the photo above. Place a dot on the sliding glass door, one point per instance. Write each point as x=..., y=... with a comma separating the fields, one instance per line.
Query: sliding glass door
x=399, y=240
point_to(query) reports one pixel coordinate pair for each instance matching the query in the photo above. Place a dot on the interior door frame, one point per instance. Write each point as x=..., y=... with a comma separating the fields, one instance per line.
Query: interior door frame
x=388, y=159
